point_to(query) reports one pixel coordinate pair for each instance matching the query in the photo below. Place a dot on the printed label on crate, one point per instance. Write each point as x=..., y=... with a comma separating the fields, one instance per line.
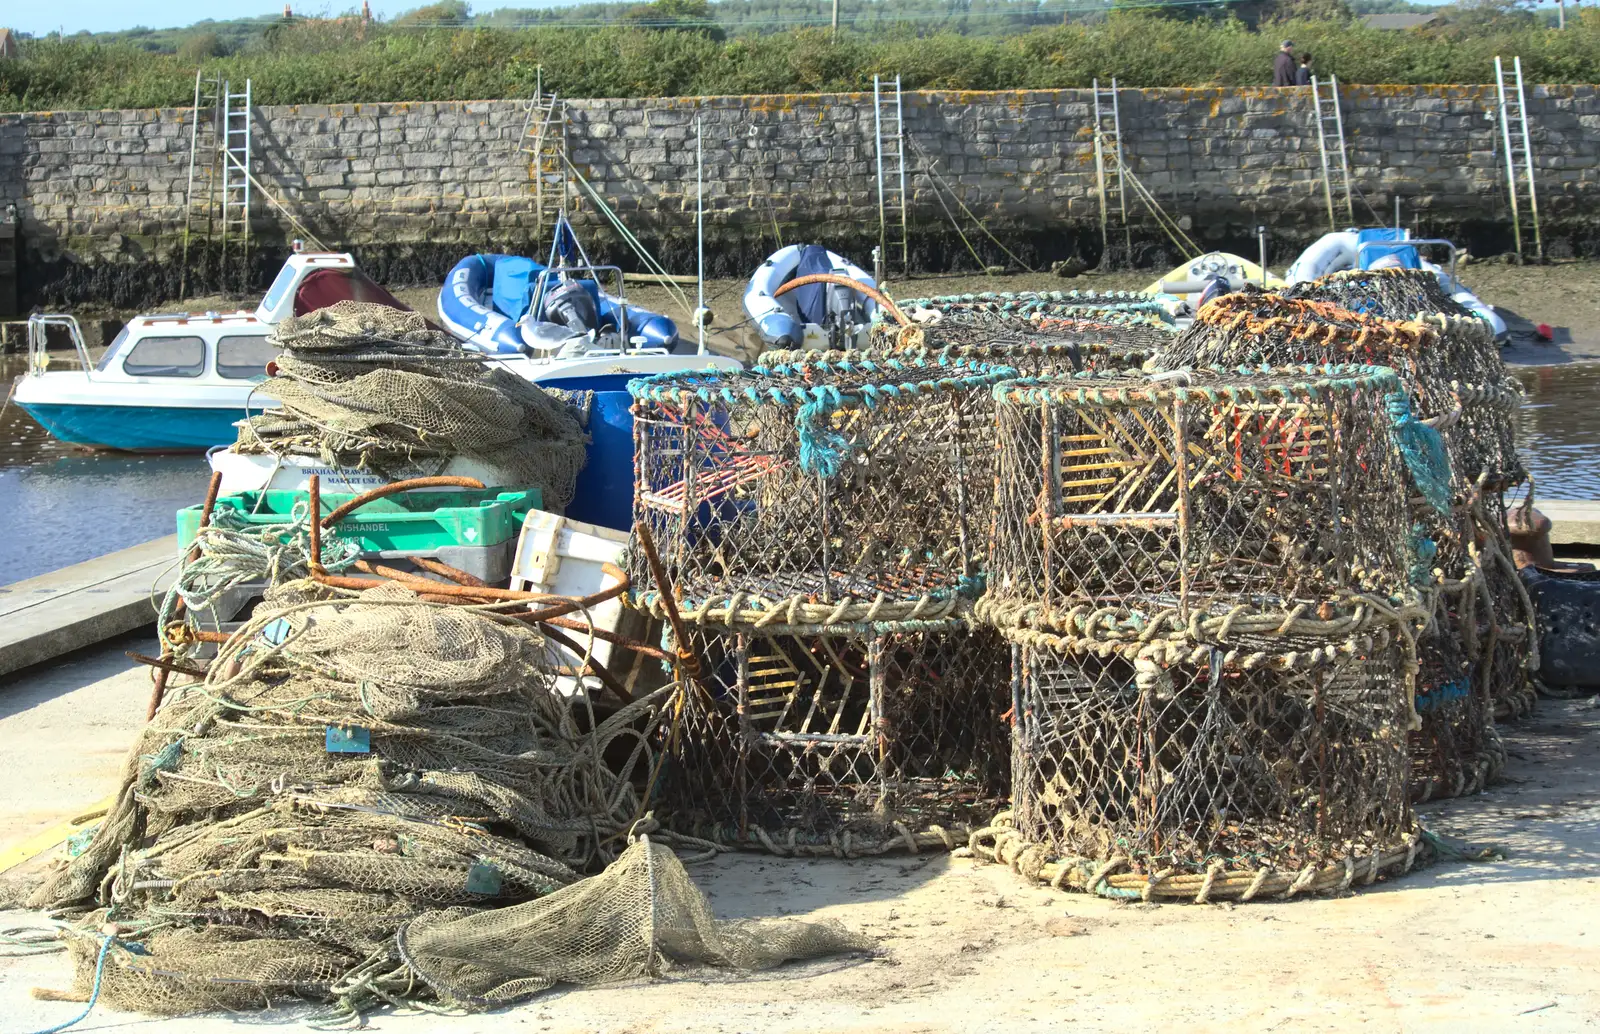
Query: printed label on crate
x=348, y=739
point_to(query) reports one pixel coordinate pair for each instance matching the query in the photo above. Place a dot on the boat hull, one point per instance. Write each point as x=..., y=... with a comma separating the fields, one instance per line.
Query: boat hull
x=137, y=428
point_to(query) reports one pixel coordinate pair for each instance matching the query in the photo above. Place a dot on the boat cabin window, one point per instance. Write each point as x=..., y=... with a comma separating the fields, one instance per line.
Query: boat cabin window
x=166, y=357
x=112, y=349
x=244, y=356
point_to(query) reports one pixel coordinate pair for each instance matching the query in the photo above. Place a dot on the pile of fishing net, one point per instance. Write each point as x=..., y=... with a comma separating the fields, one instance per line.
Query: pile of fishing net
x=365, y=385
x=372, y=798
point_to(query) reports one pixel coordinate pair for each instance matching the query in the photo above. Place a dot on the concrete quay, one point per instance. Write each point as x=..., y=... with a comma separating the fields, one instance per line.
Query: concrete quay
x=57, y=613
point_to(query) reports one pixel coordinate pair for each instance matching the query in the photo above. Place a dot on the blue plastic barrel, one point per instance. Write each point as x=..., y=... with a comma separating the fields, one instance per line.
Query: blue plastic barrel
x=605, y=485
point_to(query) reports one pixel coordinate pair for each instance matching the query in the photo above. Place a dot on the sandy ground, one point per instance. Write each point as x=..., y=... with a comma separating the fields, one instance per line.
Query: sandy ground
x=962, y=947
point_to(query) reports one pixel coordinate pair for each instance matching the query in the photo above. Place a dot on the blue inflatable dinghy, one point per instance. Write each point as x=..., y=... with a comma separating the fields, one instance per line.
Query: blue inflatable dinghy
x=511, y=305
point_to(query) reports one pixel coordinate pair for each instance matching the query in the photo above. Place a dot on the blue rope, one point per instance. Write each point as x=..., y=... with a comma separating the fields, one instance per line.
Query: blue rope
x=822, y=449
x=1458, y=689
x=94, y=995
x=1424, y=452
x=1423, y=551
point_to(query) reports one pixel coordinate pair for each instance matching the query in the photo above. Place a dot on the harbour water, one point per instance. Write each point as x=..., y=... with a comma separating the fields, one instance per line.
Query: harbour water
x=1558, y=429
x=60, y=505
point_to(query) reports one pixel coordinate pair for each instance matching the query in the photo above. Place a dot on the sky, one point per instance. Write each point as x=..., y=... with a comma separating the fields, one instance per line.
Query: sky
x=111, y=15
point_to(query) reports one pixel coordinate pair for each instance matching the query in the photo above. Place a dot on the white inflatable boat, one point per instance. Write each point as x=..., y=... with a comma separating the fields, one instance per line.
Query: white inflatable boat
x=1381, y=247
x=815, y=315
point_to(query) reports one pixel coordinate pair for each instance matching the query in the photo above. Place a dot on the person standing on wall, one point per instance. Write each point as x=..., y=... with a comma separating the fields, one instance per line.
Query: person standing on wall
x=1283, y=65
x=1302, y=75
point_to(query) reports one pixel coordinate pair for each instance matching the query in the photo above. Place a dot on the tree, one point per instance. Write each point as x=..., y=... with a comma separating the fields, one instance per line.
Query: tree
x=1306, y=11
x=677, y=15
x=1471, y=17
x=446, y=12
x=200, y=46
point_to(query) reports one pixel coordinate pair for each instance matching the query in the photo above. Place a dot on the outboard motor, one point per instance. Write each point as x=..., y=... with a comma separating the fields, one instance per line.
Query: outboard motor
x=846, y=311
x=570, y=304
x=1216, y=287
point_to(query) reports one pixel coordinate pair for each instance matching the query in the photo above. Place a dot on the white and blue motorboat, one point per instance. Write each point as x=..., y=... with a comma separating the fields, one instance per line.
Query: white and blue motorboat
x=167, y=383
x=1381, y=247
x=177, y=381
x=814, y=315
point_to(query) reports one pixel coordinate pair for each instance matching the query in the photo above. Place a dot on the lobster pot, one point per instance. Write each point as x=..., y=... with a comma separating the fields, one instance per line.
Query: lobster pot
x=1456, y=750
x=998, y=307
x=821, y=491
x=1449, y=365
x=1251, y=328
x=1127, y=506
x=1105, y=341
x=1029, y=353
x=819, y=740
x=1236, y=761
x=1388, y=293
x=1123, y=321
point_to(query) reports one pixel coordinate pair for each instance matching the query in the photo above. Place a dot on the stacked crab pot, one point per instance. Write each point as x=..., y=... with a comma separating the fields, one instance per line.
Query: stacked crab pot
x=1205, y=579
x=820, y=526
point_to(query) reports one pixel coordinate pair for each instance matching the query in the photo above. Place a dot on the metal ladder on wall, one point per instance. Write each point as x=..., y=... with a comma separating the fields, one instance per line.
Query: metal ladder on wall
x=237, y=126
x=200, y=195
x=1329, y=118
x=217, y=200
x=1519, y=152
x=1108, y=166
x=888, y=119
x=544, y=141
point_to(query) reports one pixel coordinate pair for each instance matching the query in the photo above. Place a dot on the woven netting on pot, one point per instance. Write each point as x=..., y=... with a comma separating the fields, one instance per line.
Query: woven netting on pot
x=843, y=740
x=818, y=491
x=1276, y=769
x=1206, y=505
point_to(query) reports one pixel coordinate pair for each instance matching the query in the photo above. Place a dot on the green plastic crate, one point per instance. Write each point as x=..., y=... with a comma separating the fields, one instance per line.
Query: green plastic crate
x=412, y=522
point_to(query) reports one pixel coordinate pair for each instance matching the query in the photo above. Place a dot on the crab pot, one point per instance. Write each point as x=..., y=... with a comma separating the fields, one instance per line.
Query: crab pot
x=1456, y=751
x=1449, y=365
x=1246, y=499
x=817, y=740
x=1104, y=339
x=818, y=491
x=1016, y=306
x=1028, y=352
x=1230, y=759
x=1389, y=293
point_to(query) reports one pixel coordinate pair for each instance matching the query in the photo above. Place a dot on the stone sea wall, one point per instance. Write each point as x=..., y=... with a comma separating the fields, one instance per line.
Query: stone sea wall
x=415, y=185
